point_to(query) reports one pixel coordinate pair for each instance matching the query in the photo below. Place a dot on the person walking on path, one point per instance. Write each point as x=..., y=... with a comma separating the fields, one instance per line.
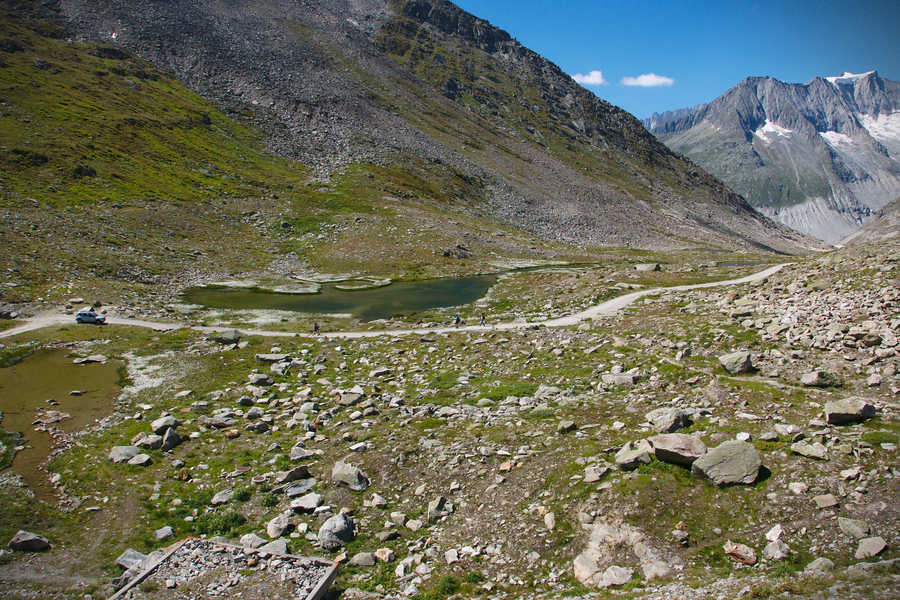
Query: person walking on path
x=316, y=328
x=482, y=320
x=456, y=321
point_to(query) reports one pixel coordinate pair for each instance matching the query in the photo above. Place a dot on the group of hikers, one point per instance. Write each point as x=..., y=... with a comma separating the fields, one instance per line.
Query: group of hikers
x=457, y=321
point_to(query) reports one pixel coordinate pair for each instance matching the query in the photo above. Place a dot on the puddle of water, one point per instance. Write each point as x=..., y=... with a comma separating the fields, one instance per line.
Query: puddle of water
x=404, y=297
x=50, y=374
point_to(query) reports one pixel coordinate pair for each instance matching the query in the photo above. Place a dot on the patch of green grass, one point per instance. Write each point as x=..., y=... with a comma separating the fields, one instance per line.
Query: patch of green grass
x=880, y=437
x=225, y=523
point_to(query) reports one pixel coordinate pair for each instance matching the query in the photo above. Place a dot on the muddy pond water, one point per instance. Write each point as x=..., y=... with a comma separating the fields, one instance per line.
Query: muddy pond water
x=25, y=389
x=405, y=297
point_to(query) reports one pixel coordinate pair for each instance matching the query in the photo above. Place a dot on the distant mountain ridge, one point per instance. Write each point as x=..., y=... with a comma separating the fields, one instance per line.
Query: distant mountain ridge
x=819, y=157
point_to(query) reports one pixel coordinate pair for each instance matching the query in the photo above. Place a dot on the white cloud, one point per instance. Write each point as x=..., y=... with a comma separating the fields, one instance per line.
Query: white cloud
x=592, y=78
x=648, y=80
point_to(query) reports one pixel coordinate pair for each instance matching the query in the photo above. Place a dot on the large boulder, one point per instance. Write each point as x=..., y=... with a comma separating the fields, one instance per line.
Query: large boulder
x=25, y=541
x=350, y=476
x=737, y=362
x=677, y=448
x=848, y=410
x=337, y=531
x=668, y=420
x=729, y=463
x=819, y=378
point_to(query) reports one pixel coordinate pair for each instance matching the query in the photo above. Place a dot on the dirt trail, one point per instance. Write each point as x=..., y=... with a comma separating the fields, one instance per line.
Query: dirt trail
x=604, y=308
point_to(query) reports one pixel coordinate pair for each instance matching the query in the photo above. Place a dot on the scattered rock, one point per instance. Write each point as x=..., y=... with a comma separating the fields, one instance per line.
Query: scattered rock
x=853, y=527
x=668, y=420
x=346, y=474
x=732, y=462
x=740, y=553
x=337, y=531
x=870, y=546
x=848, y=410
x=223, y=497
x=120, y=454
x=634, y=454
x=737, y=362
x=677, y=448
x=25, y=541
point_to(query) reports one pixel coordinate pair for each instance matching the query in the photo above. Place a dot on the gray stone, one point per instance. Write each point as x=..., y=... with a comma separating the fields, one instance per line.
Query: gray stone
x=848, y=410
x=677, y=448
x=820, y=565
x=814, y=450
x=618, y=379
x=594, y=474
x=232, y=336
x=740, y=552
x=25, y=541
x=731, y=462
x=826, y=501
x=870, y=546
x=272, y=358
x=160, y=425
x=363, y=559
x=776, y=550
x=435, y=509
x=170, y=440
x=274, y=547
x=668, y=420
x=277, y=526
x=350, y=476
x=130, y=558
x=223, y=497
x=150, y=442
x=615, y=576
x=260, y=379
x=295, y=474
x=737, y=362
x=120, y=454
x=164, y=533
x=141, y=460
x=647, y=267
x=251, y=540
x=819, y=378
x=853, y=527
x=566, y=426
x=307, y=503
x=634, y=454
x=337, y=531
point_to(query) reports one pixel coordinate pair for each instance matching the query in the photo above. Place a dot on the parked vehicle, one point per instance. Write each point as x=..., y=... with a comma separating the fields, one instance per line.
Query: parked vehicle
x=87, y=315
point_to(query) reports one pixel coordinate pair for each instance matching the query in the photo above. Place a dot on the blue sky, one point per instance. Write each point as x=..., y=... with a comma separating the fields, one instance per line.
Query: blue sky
x=698, y=50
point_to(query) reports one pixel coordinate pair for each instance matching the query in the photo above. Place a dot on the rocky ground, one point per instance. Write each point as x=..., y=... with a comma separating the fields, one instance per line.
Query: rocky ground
x=737, y=442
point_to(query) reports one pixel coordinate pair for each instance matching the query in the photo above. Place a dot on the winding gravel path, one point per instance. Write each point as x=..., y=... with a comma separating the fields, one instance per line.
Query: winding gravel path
x=603, y=309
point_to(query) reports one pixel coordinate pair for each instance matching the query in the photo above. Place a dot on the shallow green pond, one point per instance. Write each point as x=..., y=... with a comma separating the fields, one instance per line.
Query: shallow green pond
x=25, y=389
x=403, y=298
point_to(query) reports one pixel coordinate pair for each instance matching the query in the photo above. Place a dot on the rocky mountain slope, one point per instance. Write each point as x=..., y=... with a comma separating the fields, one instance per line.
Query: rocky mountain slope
x=884, y=225
x=820, y=157
x=439, y=94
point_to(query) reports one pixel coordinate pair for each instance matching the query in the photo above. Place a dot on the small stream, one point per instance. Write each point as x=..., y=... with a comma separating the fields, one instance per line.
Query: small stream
x=25, y=389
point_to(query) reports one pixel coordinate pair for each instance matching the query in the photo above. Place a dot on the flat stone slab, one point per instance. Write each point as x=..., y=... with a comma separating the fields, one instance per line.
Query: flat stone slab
x=729, y=463
x=196, y=566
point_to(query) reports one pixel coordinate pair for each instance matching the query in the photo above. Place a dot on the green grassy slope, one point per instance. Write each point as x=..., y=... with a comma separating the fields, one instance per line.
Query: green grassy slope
x=116, y=177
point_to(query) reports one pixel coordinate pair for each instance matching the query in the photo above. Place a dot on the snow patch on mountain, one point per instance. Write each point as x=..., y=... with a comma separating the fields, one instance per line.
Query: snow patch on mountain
x=837, y=140
x=886, y=129
x=774, y=130
x=848, y=77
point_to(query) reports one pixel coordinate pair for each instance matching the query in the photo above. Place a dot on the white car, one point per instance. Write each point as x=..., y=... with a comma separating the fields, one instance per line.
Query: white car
x=87, y=315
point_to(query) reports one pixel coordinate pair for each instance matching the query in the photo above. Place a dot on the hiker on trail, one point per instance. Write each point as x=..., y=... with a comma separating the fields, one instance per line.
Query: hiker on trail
x=456, y=321
x=316, y=328
x=482, y=319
